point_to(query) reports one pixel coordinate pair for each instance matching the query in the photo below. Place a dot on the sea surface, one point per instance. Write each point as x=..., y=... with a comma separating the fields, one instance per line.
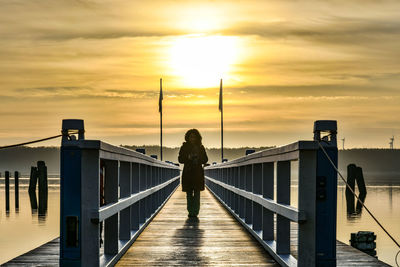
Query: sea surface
x=23, y=230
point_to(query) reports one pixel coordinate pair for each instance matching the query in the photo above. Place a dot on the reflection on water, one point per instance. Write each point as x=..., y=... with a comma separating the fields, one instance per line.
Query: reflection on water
x=24, y=230
x=384, y=203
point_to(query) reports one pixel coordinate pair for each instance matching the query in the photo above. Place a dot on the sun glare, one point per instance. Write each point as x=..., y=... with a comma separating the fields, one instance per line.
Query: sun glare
x=200, y=61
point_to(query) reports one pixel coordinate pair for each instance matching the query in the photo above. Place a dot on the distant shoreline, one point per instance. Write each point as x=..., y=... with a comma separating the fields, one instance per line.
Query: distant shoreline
x=380, y=166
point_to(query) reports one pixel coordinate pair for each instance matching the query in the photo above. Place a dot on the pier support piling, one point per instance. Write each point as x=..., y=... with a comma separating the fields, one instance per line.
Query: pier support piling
x=361, y=188
x=7, y=185
x=354, y=174
x=351, y=177
x=32, y=188
x=16, y=184
x=43, y=187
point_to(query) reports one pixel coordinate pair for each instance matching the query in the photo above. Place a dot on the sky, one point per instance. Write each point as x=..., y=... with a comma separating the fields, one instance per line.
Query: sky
x=284, y=64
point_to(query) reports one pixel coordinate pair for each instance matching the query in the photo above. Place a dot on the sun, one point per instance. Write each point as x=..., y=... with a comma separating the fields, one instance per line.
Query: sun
x=200, y=61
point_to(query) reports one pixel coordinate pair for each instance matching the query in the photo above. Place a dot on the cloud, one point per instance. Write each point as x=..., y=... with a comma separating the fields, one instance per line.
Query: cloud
x=327, y=28
x=100, y=33
x=69, y=20
x=334, y=30
x=50, y=89
x=328, y=90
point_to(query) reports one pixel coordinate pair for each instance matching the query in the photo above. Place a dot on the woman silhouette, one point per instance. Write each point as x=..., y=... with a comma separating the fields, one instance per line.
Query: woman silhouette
x=193, y=155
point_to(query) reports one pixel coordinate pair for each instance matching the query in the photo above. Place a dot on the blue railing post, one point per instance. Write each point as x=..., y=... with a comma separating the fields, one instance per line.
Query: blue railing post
x=283, y=197
x=326, y=193
x=125, y=191
x=257, y=189
x=249, y=187
x=79, y=171
x=135, y=210
x=268, y=193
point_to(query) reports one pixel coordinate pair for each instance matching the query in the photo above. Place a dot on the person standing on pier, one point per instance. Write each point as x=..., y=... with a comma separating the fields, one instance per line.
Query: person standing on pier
x=193, y=155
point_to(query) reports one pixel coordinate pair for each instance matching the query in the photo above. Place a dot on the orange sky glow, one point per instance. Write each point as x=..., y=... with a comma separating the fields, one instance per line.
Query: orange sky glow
x=284, y=65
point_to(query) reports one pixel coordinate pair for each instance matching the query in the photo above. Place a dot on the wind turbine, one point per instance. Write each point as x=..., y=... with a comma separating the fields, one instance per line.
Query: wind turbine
x=391, y=143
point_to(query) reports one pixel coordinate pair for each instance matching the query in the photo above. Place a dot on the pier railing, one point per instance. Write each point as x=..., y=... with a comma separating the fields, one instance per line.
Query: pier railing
x=105, y=186
x=246, y=186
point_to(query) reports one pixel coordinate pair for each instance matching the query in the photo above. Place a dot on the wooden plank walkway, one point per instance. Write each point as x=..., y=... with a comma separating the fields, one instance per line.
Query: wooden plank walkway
x=172, y=239
x=215, y=239
x=348, y=256
x=45, y=255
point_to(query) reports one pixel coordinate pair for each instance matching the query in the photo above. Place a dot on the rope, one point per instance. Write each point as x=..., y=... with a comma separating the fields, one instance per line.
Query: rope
x=36, y=141
x=359, y=200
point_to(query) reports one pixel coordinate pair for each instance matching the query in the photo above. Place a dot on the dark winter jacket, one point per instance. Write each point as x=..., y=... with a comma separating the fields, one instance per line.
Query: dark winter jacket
x=193, y=156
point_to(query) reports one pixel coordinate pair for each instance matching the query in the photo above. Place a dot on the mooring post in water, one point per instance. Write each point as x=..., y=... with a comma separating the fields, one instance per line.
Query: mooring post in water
x=364, y=241
x=361, y=188
x=16, y=183
x=7, y=184
x=351, y=177
x=354, y=174
x=43, y=188
x=32, y=188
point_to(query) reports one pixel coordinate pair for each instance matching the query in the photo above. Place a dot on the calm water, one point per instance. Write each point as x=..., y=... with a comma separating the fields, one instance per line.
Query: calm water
x=384, y=203
x=22, y=231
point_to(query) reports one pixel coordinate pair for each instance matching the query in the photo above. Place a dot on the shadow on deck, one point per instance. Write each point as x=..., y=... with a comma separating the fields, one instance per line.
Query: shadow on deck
x=215, y=239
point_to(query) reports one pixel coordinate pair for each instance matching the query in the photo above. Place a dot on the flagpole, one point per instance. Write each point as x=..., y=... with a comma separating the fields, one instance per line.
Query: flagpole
x=222, y=121
x=160, y=110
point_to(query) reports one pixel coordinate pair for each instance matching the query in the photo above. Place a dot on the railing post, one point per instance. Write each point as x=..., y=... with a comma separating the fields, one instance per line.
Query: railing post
x=306, y=203
x=79, y=196
x=242, y=200
x=236, y=184
x=249, y=187
x=90, y=202
x=317, y=199
x=135, y=189
x=147, y=200
x=125, y=191
x=230, y=183
x=257, y=189
x=326, y=194
x=142, y=210
x=268, y=192
x=154, y=195
x=111, y=196
x=283, y=197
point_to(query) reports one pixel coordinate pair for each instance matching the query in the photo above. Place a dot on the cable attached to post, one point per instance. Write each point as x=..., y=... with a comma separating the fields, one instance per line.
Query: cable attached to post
x=36, y=141
x=359, y=200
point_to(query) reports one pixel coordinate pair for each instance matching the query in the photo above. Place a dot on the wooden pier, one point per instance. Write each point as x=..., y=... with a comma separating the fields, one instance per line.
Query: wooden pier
x=171, y=239
x=246, y=216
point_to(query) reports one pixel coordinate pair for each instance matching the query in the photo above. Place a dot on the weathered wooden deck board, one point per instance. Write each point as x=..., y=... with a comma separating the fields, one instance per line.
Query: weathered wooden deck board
x=348, y=256
x=45, y=255
x=215, y=239
x=172, y=239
